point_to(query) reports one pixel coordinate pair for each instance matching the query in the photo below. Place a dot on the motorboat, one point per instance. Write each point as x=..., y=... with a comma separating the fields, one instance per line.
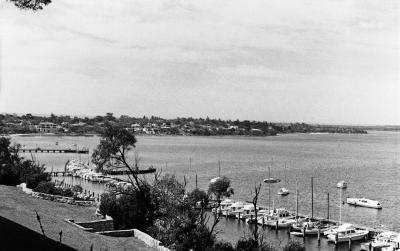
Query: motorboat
x=341, y=184
x=223, y=206
x=247, y=212
x=383, y=241
x=310, y=228
x=271, y=180
x=347, y=232
x=284, y=222
x=234, y=209
x=283, y=191
x=260, y=213
x=333, y=230
x=363, y=202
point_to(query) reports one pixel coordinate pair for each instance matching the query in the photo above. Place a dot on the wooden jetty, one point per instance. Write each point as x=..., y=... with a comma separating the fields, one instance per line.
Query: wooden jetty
x=125, y=171
x=54, y=150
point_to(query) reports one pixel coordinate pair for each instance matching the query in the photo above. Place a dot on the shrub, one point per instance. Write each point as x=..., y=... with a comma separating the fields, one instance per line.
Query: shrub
x=45, y=187
x=294, y=246
x=14, y=170
x=77, y=189
x=222, y=246
x=246, y=244
x=8, y=176
x=249, y=244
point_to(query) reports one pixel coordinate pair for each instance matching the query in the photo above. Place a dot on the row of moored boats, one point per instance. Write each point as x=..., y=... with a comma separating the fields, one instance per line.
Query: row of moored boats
x=82, y=170
x=298, y=226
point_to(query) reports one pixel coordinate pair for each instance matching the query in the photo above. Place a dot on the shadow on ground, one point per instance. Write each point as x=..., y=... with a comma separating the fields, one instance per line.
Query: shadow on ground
x=17, y=237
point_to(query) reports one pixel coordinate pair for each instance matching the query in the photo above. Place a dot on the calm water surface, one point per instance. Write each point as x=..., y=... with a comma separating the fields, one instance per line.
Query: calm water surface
x=369, y=163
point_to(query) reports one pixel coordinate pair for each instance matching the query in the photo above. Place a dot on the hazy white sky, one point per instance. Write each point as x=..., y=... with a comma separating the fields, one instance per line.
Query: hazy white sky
x=335, y=61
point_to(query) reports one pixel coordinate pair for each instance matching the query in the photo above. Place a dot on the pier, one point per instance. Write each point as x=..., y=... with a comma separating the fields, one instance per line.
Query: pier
x=53, y=150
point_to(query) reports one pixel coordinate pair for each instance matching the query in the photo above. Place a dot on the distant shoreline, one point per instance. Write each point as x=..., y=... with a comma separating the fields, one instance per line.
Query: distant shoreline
x=188, y=135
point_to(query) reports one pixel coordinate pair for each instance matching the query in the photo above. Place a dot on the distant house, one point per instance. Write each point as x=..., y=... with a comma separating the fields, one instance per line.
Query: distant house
x=256, y=132
x=47, y=127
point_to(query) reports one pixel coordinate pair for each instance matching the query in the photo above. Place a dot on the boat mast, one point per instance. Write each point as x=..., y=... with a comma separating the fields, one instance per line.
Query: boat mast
x=269, y=190
x=328, y=205
x=297, y=202
x=312, y=197
x=219, y=168
x=340, y=206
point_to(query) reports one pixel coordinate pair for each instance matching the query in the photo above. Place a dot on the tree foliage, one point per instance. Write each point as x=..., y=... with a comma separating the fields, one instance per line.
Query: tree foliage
x=31, y=4
x=15, y=170
x=115, y=144
x=220, y=188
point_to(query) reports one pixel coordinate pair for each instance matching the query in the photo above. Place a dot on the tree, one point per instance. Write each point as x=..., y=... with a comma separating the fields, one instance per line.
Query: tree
x=31, y=4
x=219, y=188
x=138, y=202
x=257, y=189
x=14, y=169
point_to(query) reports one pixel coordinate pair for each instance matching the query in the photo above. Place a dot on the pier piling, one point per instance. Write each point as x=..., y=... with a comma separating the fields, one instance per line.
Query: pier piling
x=276, y=226
x=349, y=244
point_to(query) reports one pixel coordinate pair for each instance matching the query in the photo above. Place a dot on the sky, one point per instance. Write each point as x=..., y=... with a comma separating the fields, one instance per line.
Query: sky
x=325, y=61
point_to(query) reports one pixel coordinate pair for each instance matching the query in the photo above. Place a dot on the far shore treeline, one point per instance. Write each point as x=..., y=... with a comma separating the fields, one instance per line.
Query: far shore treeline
x=73, y=125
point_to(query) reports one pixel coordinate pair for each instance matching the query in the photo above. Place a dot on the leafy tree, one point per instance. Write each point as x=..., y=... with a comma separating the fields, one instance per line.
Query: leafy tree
x=31, y=4
x=14, y=169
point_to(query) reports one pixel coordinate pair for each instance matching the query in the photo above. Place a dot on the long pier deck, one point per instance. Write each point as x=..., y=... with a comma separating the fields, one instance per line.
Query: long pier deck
x=54, y=150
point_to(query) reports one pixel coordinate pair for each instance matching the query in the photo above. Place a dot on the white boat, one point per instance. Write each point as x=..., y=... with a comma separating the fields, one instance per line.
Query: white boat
x=282, y=222
x=234, y=209
x=363, y=202
x=341, y=184
x=223, y=206
x=247, y=212
x=383, y=241
x=310, y=228
x=283, y=191
x=347, y=232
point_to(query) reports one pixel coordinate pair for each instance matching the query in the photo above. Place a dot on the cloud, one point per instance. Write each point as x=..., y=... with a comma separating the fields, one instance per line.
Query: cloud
x=196, y=56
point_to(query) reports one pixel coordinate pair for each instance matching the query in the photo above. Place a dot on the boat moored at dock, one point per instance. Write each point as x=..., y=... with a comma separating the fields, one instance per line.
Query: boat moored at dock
x=347, y=232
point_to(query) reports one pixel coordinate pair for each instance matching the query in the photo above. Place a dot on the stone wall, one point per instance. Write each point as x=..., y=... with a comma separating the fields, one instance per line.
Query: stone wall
x=98, y=225
x=62, y=199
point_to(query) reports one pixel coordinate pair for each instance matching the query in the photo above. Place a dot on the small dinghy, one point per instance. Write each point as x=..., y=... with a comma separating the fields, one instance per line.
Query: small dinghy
x=341, y=184
x=283, y=191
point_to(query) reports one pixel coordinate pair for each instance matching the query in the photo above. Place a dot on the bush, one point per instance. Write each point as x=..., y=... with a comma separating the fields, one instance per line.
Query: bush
x=222, y=246
x=294, y=246
x=249, y=244
x=8, y=176
x=246, y=244
x=77, y=189
x=50, y=188
x=45, y=187
x=14, y=170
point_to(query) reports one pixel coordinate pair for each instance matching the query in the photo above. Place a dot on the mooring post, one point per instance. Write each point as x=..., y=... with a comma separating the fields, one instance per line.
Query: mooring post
x=239, y=217
x=276, y=226
x=319, y=236
x=289, y=229
x=263, y=221
x=304, y=232
x=336, y=238
x=349, y=243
